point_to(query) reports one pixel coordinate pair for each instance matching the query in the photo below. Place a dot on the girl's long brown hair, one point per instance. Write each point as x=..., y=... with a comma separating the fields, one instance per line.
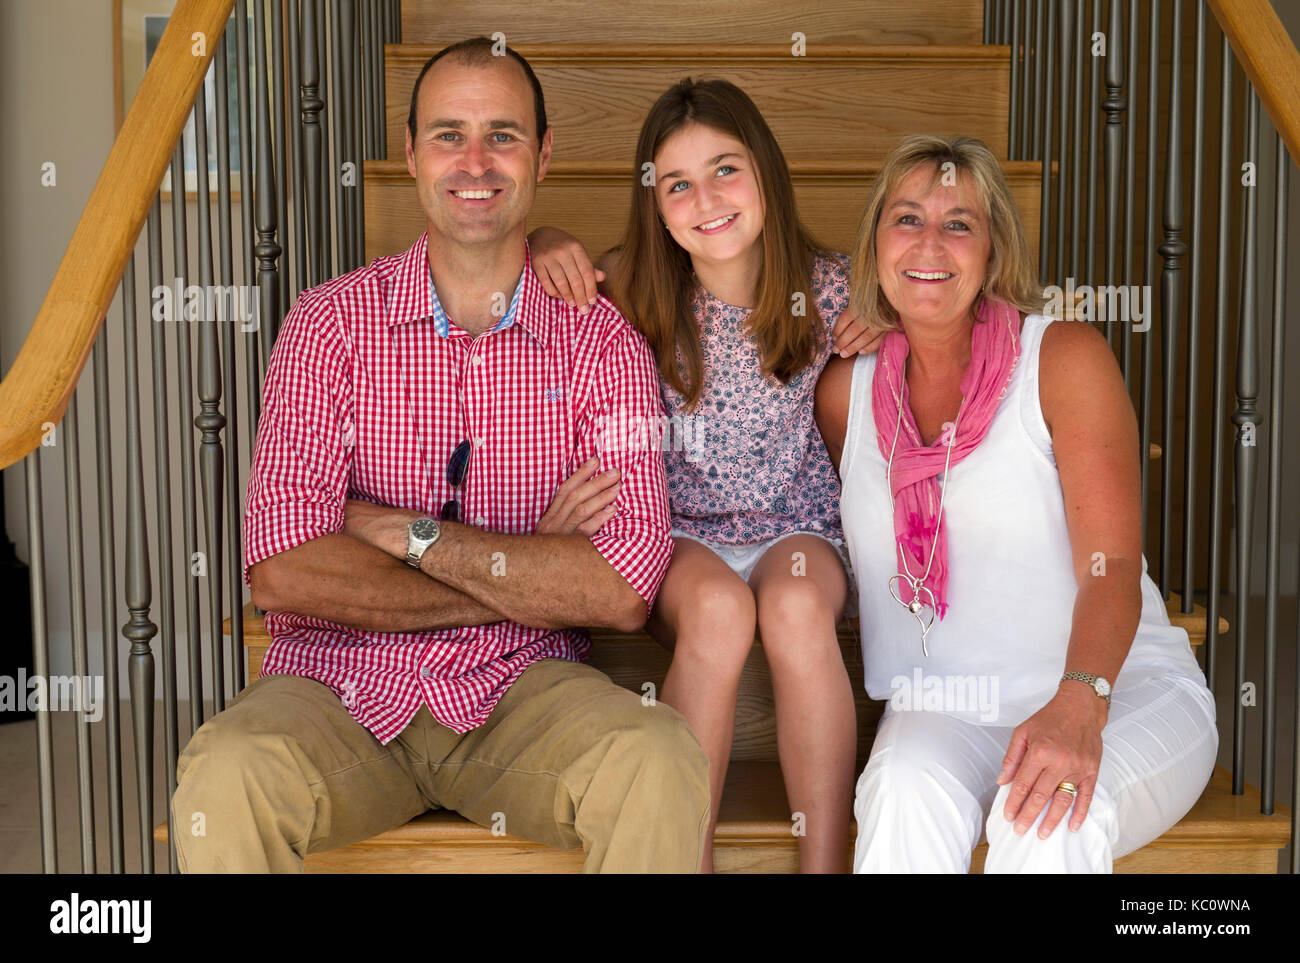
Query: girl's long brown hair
x=652, y=280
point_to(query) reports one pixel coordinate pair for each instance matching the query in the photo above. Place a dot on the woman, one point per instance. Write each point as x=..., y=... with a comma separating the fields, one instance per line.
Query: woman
x=990, y=504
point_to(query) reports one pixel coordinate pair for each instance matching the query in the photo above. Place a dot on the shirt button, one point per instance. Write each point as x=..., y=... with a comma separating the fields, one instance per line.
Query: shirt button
x=476, y=360
x=480, y=520
x=427, y=673
x=478, y=442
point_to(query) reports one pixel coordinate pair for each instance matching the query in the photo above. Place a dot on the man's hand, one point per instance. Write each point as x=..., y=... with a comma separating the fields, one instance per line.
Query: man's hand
x=378, y=525
x=583, y=502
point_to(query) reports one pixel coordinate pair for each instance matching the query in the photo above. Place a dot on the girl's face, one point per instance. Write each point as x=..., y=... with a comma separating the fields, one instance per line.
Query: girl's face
x=708, y=194
x=932, y=249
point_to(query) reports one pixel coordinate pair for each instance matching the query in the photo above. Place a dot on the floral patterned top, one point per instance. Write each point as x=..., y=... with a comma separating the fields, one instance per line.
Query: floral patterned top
x=751, y=465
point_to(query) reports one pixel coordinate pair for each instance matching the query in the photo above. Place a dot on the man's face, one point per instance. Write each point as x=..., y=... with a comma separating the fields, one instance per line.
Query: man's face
x=475, y=156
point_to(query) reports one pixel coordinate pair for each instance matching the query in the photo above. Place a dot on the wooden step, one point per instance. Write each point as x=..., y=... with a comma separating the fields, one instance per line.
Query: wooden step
x=837, y=104
x=442, y=22
x=1221, y=834
x=591, y=202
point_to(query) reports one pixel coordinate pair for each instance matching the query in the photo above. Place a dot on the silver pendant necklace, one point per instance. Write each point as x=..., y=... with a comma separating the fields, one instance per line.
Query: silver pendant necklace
x=917, y=584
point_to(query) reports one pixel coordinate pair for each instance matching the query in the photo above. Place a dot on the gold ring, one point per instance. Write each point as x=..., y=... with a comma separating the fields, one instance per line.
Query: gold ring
x=1069, y=787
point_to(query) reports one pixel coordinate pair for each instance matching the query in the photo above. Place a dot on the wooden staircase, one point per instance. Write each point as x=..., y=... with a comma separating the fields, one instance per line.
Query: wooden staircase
x=871, y=72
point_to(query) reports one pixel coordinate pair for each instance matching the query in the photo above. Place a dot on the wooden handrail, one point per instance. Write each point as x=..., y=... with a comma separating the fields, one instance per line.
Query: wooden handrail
x=1270, y=60
x=36, y=390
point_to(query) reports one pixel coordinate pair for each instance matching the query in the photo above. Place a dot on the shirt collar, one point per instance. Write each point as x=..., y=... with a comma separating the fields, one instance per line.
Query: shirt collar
x=413, y=296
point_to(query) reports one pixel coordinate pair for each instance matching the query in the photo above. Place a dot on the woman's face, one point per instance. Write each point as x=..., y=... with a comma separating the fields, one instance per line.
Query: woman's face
x=708, y=194
x=932, y=249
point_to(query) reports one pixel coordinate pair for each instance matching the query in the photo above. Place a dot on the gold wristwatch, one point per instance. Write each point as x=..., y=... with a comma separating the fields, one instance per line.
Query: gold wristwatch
x=1099, y=685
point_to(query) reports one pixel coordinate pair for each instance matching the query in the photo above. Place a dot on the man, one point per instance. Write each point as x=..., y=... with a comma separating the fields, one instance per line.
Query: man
x=421, y=654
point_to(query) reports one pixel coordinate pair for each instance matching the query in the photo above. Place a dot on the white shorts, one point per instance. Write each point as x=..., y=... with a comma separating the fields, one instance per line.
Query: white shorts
x=742, y=559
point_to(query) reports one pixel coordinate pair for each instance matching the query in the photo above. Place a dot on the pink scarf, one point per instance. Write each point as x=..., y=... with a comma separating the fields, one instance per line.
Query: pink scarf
x=995, y=350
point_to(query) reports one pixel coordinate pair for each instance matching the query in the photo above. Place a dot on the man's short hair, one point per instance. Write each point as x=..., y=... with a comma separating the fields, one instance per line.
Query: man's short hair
x=478, y=52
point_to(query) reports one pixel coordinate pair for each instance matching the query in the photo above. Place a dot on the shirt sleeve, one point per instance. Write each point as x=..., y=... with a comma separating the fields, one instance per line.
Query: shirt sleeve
x=623, y=424
x=297, y=483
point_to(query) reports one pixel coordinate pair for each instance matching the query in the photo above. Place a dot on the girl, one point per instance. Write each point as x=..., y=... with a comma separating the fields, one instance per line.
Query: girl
x=738, y=303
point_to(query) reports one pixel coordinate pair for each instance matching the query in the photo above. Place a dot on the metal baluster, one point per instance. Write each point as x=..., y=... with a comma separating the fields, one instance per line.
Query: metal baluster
x=269, y=286
x=324, y=248
x=1063, y=137
x=1115, y=105
x=296, y=157
x=381, y=139
x=209, y=421
x=41, y=662
x=988, y=22
x=1045, y=149
x=1130, y=180
x=185, y=393
x=1076, y=141
x=252, y=367
x=1148, y=272
x=1194, y=318
x=108, y=600
x=311, y=138
x=1094, y=102
x=1027, y=76
x=357, y=116
x=162, y=469
x=139, y=630
x=225, y=322
x=1013, y=118
x=339, y=135
x=77, y=617
x=367, y=79
x=1172, y=249
x=280, y=85
x=1247, y=420
x=1040, y=63
x=1277, y=382
x=1220, y=362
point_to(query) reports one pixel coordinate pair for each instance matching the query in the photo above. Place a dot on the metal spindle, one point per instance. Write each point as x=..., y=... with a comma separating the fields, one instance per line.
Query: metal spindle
x=1094, y=102
x=1247, y=420
x=1063, y=139
x=1013, y=126
x=252, y=369
x=1221, y=286
x=267, y=250
x=381, y=140
x=324, y=248
x=1172, y=249
x=139, y=629
x=1130, y=202
x=1045, y=147
x=311, y=136
x=338, y=137
x=367, y=79
x=1268, y=700
x=280, y=85
x=108, y=600
x=41, y=662
x=77, y=606
x=296, y=162
x=356, y=114
x=1148, y=272
x=1115, y=105
x=1194, y=318
x=185, y=394
x=162, y=468
x=1081, y=49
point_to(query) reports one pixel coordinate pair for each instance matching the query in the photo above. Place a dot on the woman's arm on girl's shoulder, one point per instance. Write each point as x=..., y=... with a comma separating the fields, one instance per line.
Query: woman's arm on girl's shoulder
x=831, y=405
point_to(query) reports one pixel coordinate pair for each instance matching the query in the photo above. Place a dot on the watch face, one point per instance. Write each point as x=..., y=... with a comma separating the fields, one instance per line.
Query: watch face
x=424, y=529
x=1102, y=686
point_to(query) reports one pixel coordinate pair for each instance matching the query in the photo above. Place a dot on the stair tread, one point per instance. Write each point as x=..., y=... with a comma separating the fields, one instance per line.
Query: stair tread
x=754, y=807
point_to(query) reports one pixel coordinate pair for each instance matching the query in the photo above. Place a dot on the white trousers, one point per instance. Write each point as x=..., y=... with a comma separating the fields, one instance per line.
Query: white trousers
x=930, y=785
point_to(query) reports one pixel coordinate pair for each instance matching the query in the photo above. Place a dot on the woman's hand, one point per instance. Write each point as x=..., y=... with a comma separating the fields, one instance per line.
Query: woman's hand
x=851, y=335
x=583, y=502
x=378, y=525
x=1059, y=743
x=562, y=265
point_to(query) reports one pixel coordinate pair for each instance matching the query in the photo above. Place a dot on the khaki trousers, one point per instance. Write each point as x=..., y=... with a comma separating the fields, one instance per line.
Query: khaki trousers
x=567, y=758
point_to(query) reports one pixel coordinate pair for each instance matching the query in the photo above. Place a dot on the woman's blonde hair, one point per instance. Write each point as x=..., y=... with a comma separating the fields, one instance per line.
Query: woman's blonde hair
x=1010, y=276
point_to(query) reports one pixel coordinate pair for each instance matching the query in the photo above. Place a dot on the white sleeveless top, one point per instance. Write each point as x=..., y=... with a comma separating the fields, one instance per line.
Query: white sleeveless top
x=1011, y=583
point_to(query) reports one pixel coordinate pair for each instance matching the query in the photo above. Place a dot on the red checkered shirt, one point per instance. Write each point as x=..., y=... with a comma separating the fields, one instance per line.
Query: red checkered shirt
x=364, y=399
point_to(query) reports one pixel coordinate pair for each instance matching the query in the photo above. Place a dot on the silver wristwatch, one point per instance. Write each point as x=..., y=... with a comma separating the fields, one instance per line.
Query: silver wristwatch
x=1099, y=685
x=420, y=534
